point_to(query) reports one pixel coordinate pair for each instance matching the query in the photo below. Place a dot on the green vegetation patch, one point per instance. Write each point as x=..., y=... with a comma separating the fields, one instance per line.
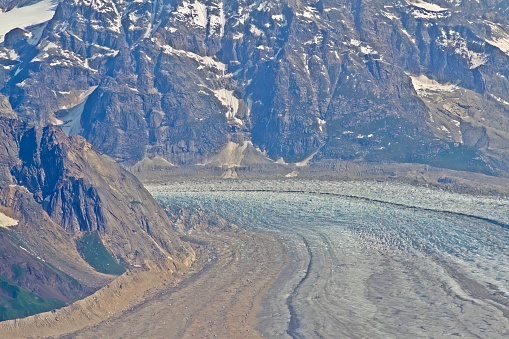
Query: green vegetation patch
x=18, y=303
x=96, y=255
x=17, y=271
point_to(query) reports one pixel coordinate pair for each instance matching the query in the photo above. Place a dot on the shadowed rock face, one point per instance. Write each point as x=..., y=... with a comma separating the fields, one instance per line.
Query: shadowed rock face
x=59, y=189
x=84, y=191
x=341, y=79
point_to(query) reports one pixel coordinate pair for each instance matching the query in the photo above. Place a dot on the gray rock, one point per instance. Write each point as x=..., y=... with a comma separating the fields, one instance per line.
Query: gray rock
x=334, y=79
x=5, y=108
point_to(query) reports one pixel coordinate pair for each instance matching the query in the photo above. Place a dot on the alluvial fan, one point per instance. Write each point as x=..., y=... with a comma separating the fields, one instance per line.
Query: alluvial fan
x=360, y=266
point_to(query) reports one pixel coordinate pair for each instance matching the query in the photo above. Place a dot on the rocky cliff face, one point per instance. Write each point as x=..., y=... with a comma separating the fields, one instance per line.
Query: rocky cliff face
x=409, y=81
x=5, y=108
x=84, y=191
x=68, y=212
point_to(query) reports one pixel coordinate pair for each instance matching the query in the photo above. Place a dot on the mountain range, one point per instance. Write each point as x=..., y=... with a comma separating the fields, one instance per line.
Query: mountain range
x=185, y=81
x=91, y=89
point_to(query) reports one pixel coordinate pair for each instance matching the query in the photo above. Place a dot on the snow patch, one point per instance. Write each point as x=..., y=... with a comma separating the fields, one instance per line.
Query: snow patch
x=499, y=38
x=420, y=14
x=8, y=54
x=71, y=122
x=309, y=13
x=217, y=22
x=109, y=52
x=452, y=40
x=426, y=6
x=321, y=123
x=263, y=7
x=404, y=31
x=26, y=16
x=241, y=17
x=278, y=17
x=229, y=101
x=425, y=86
x=6, y=221
x=502, y=101
x=368, y=50
x=306, y=161
x=305, y=60
x=364, y=48
x=292, y=174
x=390, y=16
x=111, y=21
x=204, y=60
x=200, y=17
x=238, y=36
x=255, y=30
x=444, y=129
x=355, y=42
x=60, y=57
x=281, y=161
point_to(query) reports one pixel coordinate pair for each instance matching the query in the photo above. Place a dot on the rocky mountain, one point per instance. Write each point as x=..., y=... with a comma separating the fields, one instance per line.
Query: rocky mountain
x=71, y=220
x=294, y=81
x=90, y=87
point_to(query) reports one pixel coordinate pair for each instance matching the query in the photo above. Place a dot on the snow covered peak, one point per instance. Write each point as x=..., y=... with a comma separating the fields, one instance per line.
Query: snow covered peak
x=292, y=76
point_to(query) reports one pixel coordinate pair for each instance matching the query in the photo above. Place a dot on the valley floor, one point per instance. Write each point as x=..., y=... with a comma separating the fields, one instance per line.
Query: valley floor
x=326, y=260
x=220, y=299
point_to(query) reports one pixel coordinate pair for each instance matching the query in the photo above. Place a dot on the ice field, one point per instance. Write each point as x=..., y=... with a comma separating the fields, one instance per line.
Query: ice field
x=370, y=259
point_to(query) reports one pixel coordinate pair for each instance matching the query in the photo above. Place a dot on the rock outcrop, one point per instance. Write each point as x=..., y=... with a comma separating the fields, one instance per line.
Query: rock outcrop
x=76, y=212
x=5, y=108
x=84, y=191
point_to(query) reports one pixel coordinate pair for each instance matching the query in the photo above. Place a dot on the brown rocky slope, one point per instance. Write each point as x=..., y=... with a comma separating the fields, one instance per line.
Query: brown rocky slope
x=79, y=219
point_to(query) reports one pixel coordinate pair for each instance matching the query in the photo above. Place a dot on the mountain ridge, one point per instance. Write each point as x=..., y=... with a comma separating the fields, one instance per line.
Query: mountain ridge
x=398, y=81
x=76, y=218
